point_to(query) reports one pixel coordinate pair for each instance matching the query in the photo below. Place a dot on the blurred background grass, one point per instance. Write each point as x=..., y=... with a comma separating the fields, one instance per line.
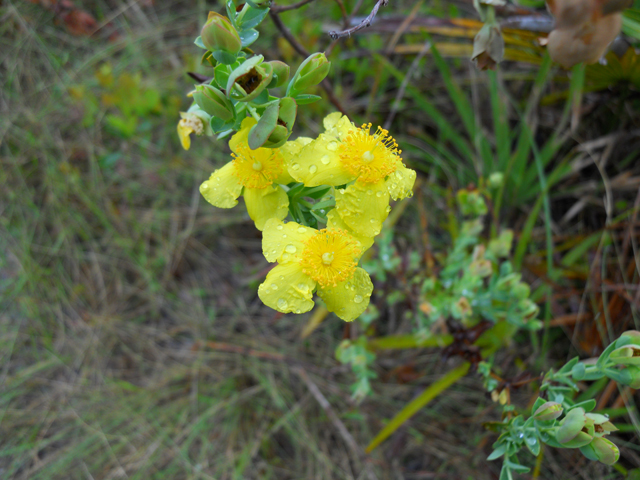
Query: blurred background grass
x=132, y=342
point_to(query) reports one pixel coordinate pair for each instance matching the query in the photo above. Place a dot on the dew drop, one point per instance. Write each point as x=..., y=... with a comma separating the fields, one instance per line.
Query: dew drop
x=369, y=192
x=303, y=287
x=284, y=235
x=378, y=194
x=302, y=230
x=279, y=227
x=388, y=209
x=398, y=174
x=332, y=147
x=285, y=257
x=274, y=287
x=205, y=186
x=297, y=310
x=274, y=251
x=295, y=166
x=358, y=299
x=281, y=277
x=325, y=160
x=282, y=303
x=342, y=190
x=313, y=168
x=290, y=248
x=373, y=220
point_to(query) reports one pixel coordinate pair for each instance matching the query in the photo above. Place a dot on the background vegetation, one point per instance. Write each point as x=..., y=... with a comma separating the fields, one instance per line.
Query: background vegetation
x=132, y=342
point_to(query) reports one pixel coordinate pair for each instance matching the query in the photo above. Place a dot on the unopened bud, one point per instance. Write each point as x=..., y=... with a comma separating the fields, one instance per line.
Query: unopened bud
x=571, y=434
x=219, y=35
x=214, y=102
x=602, y=450
x=311, y=72
x=548, y=411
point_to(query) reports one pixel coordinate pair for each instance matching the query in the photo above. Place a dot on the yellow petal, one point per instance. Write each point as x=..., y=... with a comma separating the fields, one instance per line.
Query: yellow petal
x=184, y=132
x=242, y=136
x=363, y=207
x=318, y=163
x=334, y=221
x=265, y=203
x=400, y=183
x=223, y=188
x=288, y=151
x=350, y=298
x=337, y=125
x=286, y=289
x=284, y=242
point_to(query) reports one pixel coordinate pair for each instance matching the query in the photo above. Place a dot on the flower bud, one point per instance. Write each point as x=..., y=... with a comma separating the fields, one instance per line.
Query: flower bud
x=219, y=35
x=602, y=450
x=571, y=434
x=495, y=180
x=311, y=72
x=488, y=47
x=548, y=411
x=280, y=73
x=214, y=102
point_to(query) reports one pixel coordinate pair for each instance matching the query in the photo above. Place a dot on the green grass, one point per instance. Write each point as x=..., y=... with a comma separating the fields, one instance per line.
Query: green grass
x=114, y=274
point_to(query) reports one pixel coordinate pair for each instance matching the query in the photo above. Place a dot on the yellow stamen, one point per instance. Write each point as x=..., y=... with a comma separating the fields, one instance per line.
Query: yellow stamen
x=257, y=168
x=370, y=157
x=330, y=257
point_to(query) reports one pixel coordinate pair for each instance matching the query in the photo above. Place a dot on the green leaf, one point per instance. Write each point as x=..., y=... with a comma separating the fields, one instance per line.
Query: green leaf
x=260, y=132
x=247, y=37
x=498, y=452
x=198, y=42
x=306, y=98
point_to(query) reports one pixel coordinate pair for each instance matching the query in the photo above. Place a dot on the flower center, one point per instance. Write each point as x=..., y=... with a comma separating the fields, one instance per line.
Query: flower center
x=257, y=168
x=330, y=257
x=370, y=157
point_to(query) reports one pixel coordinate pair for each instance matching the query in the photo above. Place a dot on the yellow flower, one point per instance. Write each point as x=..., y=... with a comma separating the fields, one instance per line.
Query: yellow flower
x=189, y=123
x=346, y=154
x=256, y=174
x=308, y=259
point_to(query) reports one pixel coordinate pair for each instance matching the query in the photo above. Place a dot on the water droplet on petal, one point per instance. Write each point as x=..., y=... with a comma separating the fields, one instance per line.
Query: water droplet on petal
x=205, y=186
x=388, y=209
x=325, y=160
x=373, y=220
x=281, y=277
x=332, y=147
x=282, y=303
x=313, y=168
x=369, y=192
x=285, y=257
x=302, y=230
x=358, y=299
x=274, y=286
x=297, y=310
x=342, y=190
x=378, y=194
x=295, y=166
x=279, y=227
x=290, y=248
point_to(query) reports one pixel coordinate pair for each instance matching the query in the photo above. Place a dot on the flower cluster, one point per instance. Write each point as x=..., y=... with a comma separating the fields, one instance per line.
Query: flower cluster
x=352, y=173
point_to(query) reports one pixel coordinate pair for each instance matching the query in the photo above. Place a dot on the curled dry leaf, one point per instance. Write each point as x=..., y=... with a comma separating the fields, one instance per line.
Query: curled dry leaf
x=584, y=29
